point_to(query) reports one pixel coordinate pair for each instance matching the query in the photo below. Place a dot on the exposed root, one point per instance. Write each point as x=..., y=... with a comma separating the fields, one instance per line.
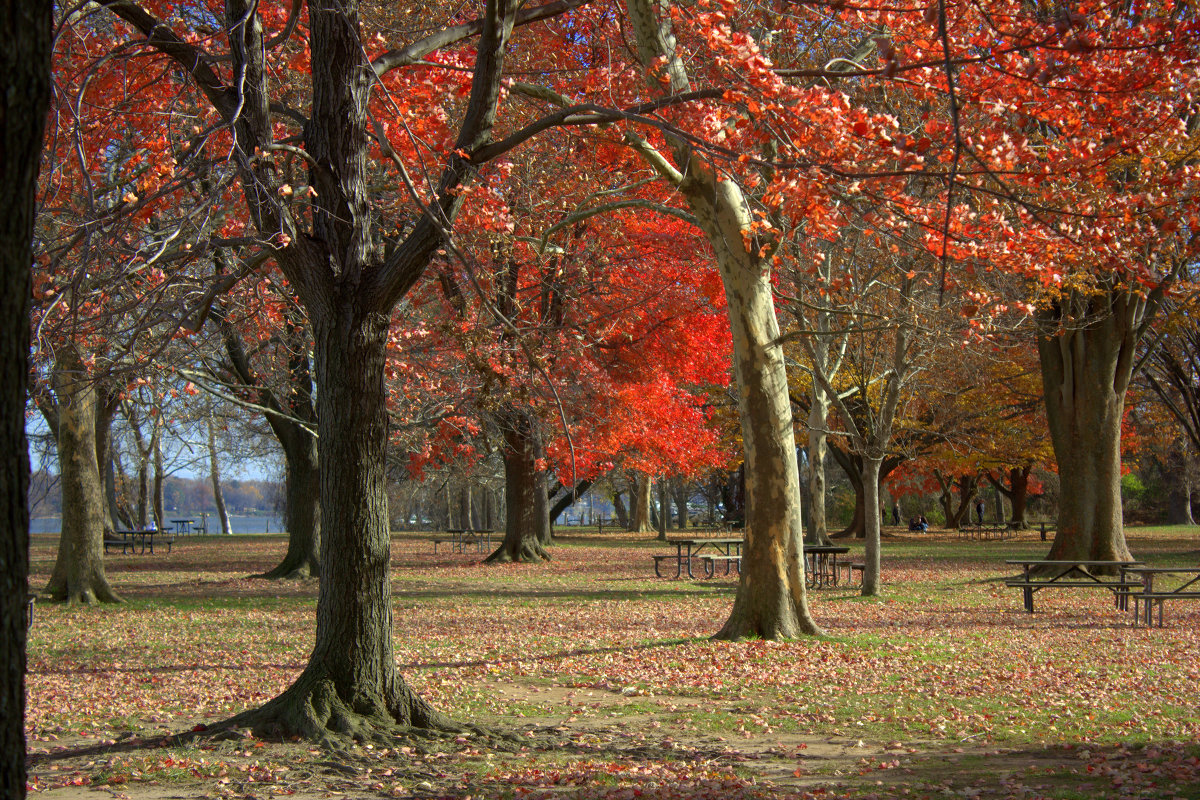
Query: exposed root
x=312, y=709
x=528, y=552
x=87, y=594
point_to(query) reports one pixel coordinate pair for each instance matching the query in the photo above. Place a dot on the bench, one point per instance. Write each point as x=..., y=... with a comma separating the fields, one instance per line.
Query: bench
x=852, y=567
x=1150, y=599
x=710, y=561
x=1145, y=600
x=1073, y=575
x=985, y=530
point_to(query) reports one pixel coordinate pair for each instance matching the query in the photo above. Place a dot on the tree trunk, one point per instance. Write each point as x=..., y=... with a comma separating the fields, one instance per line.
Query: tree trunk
x=818, y=451
x=619, y=509
x=214, y=472
x=664, y=509
x=25, y=67
x=1017, y=493
x=771, y=602
x=640, y=505
x=1087, y=346
x=159, y=476
x=527, y=522
x=106, y=411
x=78, y=575
x=351, y=686
x=681, y=503
x=870, y=483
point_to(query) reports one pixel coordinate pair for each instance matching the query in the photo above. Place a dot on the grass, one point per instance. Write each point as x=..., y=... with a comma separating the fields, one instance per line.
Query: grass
x=610, y=675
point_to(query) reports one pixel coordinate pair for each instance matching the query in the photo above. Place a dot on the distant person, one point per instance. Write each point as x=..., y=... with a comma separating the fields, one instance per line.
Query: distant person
x=918, y=523
x=895, y=513
x=979, y=506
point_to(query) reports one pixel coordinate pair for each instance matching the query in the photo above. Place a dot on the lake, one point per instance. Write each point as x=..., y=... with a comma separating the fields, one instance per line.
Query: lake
x=239, y=524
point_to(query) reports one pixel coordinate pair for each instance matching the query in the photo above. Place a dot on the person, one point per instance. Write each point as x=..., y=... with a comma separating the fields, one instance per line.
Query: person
x=924, y=523
x=979, y=506
x=918, y=523
x=895, y=513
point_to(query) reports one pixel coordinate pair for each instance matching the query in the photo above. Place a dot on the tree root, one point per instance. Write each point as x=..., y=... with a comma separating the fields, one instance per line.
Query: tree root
x=83, y=593
x=312, y=709
x=529, y=552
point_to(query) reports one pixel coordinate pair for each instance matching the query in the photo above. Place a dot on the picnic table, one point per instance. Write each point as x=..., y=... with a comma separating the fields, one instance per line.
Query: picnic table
x=1145, y=600
x=1072, y=574
x=822, y=564
x=183, y=526
x=130, y=540
x=461, y=538
x=724, y=548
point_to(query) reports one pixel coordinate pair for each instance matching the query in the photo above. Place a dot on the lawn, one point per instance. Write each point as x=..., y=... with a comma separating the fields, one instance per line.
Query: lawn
x=590, y=678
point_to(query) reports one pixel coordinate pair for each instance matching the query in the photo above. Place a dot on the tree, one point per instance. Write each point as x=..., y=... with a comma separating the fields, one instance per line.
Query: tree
x=25, y=65
x=349, y=270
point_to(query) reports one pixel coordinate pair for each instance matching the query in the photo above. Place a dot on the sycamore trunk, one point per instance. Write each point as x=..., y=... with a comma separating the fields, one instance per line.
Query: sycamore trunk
x=78, y=575
x=1086, y=348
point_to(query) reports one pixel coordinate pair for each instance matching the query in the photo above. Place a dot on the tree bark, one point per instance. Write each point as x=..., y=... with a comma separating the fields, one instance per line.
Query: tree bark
x=1017, y=493
x=871, y=557
x=350, y=686
x=25, y=67
x=639, y=500
x=214, y=474
x=1086, y=345
x=527, y=520
x=818, y=451
x=619, y=509
x=293, y=422
x=78, y=575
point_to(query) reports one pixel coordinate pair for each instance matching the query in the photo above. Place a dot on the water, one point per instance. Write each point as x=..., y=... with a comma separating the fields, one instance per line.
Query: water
x=239, y=524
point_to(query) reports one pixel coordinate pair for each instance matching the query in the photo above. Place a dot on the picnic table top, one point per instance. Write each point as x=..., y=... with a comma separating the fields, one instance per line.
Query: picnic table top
x=1068, y=562
x=835, y=549
x=1182, y=570
x=706, y=540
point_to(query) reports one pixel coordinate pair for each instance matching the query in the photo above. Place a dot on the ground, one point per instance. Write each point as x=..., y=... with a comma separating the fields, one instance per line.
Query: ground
x=589, y=678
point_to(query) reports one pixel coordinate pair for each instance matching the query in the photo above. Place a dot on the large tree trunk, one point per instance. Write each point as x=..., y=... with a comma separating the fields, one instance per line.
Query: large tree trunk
x=639, y=521
x=771, y=602
x=159, y=476
x=351, y=686
x=527, y=521
x=292, y=421
x=1087, y=346
x=25, y=67
x=871, y=561
x=818, y=451
x=619, y=509
x=681, y=495
x=214, y=474
x=78, y=575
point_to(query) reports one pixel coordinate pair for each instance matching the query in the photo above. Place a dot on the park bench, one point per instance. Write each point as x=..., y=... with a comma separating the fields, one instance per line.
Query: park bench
x=710, y=561
x=1038, y=575
x=851, y=568
x=1150, y=596
x=985, y=530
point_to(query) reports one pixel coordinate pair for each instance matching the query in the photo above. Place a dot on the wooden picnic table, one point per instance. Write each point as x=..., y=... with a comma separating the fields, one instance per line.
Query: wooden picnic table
x=822, y=564
x=131, y=539
x=183, y=526
x=1069, y=574
x=461, y=538
x=1145, y=600
x=726, y=547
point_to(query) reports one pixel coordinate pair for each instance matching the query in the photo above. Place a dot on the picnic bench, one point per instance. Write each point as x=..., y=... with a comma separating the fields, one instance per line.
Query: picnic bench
x=710, y=561
x=1149, y=597
x=461, y=538
x=984, y=530
x=131, y=540
x=821, y=564
x=729, y=548
x=1038, y=574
